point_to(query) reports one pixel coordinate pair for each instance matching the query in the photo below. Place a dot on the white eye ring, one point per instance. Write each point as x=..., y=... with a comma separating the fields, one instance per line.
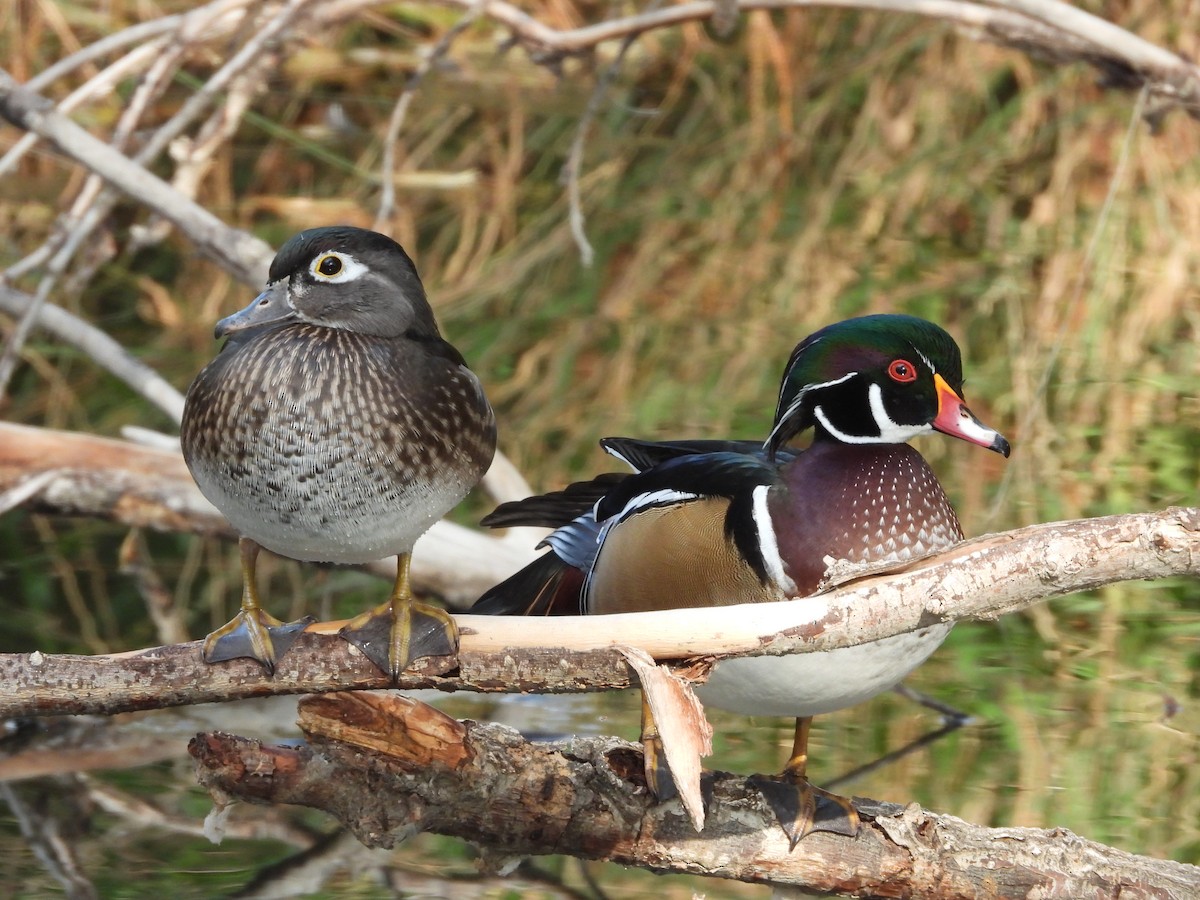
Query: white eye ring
x=350, y=268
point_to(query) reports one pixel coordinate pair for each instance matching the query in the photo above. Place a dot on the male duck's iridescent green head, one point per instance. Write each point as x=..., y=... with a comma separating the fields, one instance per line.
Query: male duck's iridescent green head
x=877, y=380
x=341, y=277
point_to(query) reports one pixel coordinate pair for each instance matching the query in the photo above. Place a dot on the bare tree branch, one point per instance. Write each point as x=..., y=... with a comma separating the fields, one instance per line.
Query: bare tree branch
x=571, y=169
x=388, y=767
x=980, y=579
x=43, y=825
x=98, y=86
x=387, y=166
x=1045, y=27
x=240, y=253
x=1049, y=29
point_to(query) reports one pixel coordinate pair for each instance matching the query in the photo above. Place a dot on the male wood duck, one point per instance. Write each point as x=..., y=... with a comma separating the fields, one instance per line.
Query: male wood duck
x=337, y=425
x=712, y=523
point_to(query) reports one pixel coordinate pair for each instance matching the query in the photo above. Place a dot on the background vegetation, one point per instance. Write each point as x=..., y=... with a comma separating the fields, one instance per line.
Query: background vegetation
x=739, y=194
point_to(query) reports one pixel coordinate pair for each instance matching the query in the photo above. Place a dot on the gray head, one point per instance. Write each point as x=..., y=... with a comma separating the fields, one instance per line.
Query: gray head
x=341, y=277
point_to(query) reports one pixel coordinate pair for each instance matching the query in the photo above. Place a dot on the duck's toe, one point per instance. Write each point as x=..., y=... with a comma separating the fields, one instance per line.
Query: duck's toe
x=397, y=633
x=254, y=634
x=802, y=808
x=659, y=781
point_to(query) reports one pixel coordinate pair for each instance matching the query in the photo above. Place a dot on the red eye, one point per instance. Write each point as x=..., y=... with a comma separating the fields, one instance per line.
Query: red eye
x=902, y=370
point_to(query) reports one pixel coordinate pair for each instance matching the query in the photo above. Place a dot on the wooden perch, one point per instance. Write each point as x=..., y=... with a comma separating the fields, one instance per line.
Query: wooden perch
x=981, y=579
x=388, y=767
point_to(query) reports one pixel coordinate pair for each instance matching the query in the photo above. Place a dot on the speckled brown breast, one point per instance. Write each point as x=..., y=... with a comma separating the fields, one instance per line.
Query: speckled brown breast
x=324, y=444
x=856, y=502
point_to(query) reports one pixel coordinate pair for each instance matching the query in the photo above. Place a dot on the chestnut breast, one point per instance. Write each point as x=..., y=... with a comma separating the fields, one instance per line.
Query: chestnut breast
x=868, y=503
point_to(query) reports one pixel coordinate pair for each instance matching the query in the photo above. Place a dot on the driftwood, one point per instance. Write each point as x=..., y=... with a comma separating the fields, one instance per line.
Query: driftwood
x=983, y=579
x=388, y=767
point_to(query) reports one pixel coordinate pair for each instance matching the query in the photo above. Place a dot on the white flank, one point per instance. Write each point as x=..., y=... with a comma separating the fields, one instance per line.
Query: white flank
x=809, y=684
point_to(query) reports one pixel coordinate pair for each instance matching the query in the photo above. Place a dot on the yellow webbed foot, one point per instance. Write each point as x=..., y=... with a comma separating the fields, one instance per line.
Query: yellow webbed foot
x=399, y=632
x=254, y=634
x=801, y=808
x=658, y=774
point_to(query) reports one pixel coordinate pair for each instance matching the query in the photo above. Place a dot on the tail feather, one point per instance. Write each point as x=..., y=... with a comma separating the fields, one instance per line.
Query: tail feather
x=545, y=587
x=555, y=509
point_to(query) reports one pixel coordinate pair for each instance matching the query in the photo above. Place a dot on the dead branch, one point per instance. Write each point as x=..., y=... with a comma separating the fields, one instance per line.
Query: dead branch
x=1048, y=29
x=100, y=477
x=241, y=253
x=570, y=173
x=433, y=58
x=388, y=767
x=981, y=579
x=67, y=745
x=99, y=347
x=47, y=828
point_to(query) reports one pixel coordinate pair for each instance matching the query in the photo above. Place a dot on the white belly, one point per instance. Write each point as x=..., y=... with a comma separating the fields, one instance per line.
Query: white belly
x=808, y=684
x=338, y=517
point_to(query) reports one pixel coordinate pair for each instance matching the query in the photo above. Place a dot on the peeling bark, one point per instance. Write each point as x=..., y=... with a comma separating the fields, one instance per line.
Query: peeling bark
x=388, y=767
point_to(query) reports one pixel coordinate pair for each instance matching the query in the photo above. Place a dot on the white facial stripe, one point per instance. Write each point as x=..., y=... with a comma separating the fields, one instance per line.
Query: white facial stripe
x=768, y=543
x=841, y=435
x=795, y=405
x=351, y=270
x=927, y=361
x=889, y=432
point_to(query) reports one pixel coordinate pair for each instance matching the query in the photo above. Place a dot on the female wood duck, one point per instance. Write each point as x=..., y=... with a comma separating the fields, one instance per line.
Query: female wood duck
x=711, y=523
x=336, y=425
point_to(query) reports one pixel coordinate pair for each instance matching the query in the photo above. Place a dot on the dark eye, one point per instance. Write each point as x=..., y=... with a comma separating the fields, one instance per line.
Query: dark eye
x=902, y=370
x=329, y=266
